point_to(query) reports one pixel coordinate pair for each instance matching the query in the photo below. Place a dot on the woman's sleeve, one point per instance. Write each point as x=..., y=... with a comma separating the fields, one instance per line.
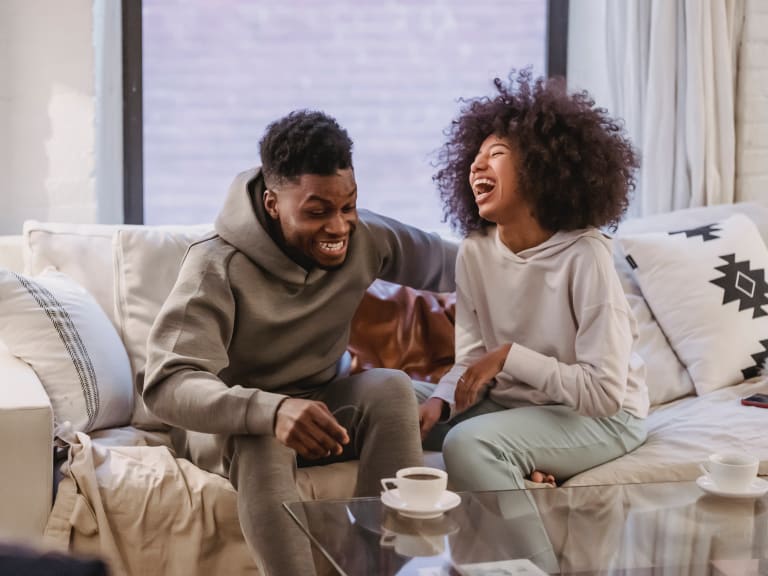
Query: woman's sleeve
x=595, y=385
x=469, y=341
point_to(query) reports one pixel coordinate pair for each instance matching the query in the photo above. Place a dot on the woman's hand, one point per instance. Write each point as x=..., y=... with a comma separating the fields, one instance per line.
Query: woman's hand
x=429, y=414
x=478, y=375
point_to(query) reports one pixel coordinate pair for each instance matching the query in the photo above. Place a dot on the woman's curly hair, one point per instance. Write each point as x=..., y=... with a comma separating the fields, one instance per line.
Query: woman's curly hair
x=576, y=166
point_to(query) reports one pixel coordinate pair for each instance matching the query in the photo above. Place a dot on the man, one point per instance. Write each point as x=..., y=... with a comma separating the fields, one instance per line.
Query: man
x=249, y=344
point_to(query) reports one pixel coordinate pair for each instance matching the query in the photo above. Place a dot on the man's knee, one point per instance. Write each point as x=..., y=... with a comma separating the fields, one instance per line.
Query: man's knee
x=260, y=460
x=390, y=388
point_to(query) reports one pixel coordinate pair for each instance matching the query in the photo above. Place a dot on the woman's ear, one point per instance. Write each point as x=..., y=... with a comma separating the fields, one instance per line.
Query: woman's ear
x=270, y=203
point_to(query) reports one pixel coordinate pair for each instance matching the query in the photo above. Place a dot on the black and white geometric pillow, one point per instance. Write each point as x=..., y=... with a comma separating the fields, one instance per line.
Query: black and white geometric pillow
x=56, y=327
x=707, y=288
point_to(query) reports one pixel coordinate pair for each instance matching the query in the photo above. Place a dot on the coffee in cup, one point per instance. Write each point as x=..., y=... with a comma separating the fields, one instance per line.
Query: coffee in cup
x=419, y=487
x=732, y=471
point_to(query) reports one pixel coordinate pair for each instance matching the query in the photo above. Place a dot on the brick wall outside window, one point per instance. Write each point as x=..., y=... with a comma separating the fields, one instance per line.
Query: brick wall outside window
x=391, y=71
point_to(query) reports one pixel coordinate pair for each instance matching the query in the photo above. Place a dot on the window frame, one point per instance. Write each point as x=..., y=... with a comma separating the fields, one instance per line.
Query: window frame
x=133, y=127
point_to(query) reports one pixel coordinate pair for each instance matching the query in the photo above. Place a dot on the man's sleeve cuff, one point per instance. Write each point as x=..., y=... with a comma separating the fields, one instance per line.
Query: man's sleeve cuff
x=261, y=412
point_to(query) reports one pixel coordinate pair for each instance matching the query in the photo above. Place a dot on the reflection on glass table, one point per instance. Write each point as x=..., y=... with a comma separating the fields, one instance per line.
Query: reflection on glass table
x=669, y=529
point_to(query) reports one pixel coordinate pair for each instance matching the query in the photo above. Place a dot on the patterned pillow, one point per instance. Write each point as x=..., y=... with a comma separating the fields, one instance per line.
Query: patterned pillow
x=56, y=327
x=706, y=287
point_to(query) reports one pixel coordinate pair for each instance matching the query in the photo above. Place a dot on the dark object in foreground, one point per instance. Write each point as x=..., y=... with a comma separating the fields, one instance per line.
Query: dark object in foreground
x=21, y=560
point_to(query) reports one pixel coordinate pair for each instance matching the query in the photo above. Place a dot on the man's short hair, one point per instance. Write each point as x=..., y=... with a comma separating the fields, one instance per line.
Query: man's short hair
x=304, y=142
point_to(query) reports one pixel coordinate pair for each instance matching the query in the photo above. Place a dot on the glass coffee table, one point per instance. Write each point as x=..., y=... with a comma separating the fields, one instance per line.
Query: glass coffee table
x=638, y=529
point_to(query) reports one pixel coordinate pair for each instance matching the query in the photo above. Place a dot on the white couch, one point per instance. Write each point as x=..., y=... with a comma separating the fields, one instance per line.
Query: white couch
x=115, y=474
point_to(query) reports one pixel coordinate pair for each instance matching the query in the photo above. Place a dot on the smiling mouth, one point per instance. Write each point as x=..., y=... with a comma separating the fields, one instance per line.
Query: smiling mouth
x=482, y=187
x=333, y=248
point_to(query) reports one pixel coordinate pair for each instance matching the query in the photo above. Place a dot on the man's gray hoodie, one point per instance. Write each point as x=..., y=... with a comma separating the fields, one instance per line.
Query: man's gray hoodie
x=245, y=326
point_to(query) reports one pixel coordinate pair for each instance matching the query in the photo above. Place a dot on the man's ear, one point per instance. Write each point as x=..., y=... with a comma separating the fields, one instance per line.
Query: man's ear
x=270, y=203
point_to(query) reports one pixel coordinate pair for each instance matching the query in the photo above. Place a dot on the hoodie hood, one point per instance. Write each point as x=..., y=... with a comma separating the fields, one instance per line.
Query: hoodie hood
x=557, y=243
x=242, y=223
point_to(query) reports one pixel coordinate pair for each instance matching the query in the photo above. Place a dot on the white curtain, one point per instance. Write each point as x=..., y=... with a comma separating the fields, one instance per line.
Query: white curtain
x=672, y=74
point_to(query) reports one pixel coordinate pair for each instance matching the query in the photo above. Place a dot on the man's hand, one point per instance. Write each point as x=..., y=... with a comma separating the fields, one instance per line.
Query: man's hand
x=478, y=375
x=309, y=428
x=429, y=414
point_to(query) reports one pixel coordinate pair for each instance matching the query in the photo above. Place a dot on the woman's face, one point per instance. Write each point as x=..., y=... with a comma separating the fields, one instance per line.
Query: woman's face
x=493, y=177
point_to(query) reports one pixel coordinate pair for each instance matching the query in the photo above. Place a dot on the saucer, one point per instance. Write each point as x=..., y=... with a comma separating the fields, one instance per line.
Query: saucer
x=448, y=501
x=757, y=488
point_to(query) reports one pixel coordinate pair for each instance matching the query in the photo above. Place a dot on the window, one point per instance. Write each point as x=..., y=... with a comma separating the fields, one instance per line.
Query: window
x=213, y=75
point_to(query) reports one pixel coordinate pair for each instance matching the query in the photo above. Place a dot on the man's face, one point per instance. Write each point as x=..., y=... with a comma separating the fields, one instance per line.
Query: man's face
x=316, y=216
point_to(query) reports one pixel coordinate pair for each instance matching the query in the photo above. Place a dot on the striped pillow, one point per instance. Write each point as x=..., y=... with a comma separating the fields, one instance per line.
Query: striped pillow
x=56, y=327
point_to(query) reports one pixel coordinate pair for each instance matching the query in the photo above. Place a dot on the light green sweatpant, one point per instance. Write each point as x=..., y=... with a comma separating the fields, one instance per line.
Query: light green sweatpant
x=490, y=447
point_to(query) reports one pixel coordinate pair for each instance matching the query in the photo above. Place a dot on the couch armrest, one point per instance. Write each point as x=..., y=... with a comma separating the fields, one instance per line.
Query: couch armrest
x=26, y=451
x=11, y=253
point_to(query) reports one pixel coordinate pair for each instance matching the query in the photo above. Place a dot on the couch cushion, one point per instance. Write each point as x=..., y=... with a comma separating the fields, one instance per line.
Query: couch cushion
x=693, y=217
x=86, y=253
x=56, y=327
x=11, y=253
x=683, y=433
x=147, y=261
x=81, y=251
x=706, y=287
x=26, y=426
x=666, y=376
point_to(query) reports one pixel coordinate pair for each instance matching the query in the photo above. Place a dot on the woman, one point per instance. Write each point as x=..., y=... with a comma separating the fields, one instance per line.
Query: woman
x=545, y=375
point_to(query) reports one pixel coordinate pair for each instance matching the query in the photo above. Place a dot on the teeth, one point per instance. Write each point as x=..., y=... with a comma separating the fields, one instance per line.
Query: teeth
x=332, y=246
x=483, y=185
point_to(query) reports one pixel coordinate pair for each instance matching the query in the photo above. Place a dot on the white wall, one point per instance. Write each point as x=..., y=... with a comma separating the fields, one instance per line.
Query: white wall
x=5, y=106
x=48, y=114
x=752, y=106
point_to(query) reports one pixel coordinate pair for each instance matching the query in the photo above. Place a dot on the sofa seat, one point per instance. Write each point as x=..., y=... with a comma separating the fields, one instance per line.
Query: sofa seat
x=682, y=433
x=124, y=488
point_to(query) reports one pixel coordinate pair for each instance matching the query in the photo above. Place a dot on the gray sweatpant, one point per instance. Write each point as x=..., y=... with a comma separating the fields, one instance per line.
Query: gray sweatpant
x=379, y=411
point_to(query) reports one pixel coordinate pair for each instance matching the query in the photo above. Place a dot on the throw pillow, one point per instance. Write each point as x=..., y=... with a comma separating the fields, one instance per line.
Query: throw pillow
x=706, y=287
x=147, y=261
x=81, y=251
x=665, y=376
x=57, y=327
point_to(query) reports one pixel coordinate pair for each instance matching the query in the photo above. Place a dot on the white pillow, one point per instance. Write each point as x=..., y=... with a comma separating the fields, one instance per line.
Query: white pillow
x=56, y=327
x=665, y=376
x=706, y=287
x=147, y=261
x=81, y=251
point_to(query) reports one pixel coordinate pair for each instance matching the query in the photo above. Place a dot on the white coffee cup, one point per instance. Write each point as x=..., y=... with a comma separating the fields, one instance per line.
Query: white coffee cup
x=731, y=471
x=419, y=487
